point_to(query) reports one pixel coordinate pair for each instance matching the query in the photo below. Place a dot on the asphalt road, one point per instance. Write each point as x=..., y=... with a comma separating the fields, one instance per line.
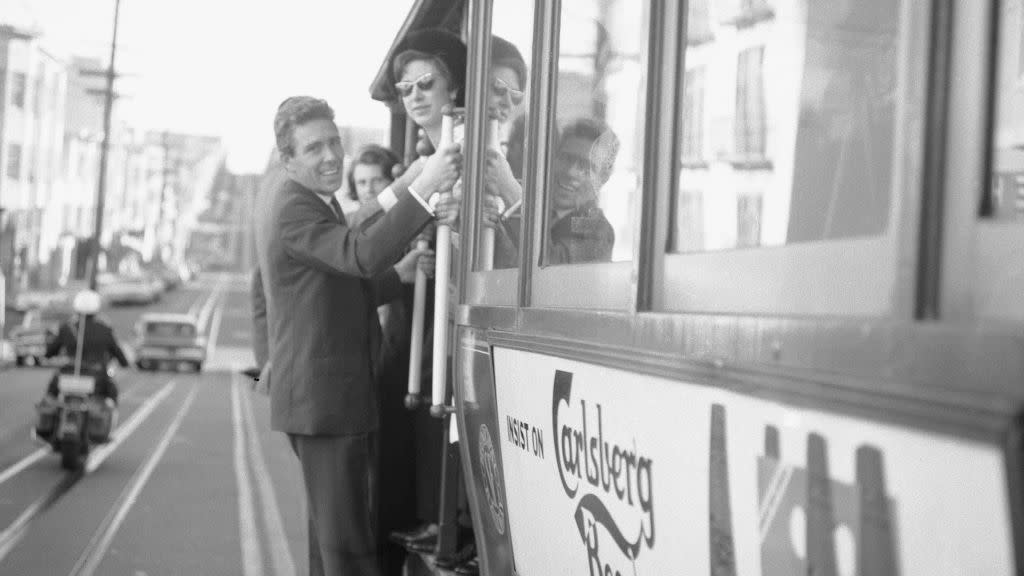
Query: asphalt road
x=193, y=482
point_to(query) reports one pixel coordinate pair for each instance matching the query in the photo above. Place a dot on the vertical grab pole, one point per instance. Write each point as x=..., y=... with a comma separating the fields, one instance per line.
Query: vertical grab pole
x=419, y=309
x=419, y=304
x=487, y=233
x=442, y=270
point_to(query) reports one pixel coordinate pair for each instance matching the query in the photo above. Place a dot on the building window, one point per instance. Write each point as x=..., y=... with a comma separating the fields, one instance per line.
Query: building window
x=14, y=161
x=748, y=221
x=698, y=22
x=804, y=153
x=743, y=13
x=37, y=97
x=693, y=117
x=749, y=129
x=688, y=231
x=18, y=89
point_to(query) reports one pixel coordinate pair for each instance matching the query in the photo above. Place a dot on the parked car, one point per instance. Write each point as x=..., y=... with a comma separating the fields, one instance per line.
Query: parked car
x=172, y=340
x=38, y=328
x=129, y=289
x=170, y=276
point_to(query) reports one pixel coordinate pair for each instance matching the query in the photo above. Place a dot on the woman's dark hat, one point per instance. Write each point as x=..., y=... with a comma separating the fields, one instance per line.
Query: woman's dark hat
x=505, y=53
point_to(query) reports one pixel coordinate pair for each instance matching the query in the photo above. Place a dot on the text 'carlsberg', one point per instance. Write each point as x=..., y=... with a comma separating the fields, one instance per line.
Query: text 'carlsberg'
x=611, y=469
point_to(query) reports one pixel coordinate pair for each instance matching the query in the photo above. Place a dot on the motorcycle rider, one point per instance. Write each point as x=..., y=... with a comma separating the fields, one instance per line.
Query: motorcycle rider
x=98, y=348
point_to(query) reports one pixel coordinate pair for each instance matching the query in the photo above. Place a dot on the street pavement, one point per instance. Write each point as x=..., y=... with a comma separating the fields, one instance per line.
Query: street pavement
x=194, y=481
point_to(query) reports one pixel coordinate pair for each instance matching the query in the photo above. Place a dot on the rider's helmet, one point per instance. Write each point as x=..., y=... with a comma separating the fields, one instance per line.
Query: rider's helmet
x=87, y=302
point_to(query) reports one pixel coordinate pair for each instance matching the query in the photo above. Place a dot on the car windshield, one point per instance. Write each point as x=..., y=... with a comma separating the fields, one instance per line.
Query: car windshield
x=170, y=329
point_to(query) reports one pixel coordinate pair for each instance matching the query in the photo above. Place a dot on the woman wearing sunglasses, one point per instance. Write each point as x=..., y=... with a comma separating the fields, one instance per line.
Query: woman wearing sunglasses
x=502, y=173
x=431, y=72
x=508, y=79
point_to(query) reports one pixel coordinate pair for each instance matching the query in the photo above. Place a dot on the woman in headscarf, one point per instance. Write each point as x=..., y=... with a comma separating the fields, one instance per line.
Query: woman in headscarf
x=429, y=69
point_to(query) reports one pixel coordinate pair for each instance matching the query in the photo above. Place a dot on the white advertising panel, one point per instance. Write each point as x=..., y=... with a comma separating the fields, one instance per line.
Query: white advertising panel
x=608, y=472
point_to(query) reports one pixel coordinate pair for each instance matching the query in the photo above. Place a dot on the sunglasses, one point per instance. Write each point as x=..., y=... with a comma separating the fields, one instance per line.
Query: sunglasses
x=424, y=83
x=501, y=88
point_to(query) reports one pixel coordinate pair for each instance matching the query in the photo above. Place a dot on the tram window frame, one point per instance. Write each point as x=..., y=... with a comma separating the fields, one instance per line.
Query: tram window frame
x=995, y=268
x=801, y=279
x=500, y=287
x=609, y=285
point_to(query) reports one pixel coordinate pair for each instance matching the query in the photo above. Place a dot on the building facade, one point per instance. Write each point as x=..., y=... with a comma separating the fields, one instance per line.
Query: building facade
x=33, y=86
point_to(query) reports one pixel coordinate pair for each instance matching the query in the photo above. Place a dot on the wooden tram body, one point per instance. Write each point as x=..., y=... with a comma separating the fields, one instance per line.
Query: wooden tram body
x=847, y=403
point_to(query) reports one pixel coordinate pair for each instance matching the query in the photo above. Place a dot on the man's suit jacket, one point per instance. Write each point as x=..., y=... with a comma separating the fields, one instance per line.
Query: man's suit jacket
x=367, y=214
x=320, y=282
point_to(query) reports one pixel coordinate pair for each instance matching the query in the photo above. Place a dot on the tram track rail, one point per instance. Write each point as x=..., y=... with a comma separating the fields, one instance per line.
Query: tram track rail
x=16, y=530
x=90, y=558
x=41, y=453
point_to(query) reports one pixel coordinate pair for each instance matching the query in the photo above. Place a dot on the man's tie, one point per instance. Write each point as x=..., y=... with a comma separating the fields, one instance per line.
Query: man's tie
x=336, y=206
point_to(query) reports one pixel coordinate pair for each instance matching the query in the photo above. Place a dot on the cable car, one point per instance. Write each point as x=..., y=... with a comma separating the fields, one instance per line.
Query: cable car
x=759, y=308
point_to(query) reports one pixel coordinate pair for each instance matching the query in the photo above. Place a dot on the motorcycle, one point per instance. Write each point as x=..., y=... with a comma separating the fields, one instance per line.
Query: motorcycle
x=76, y=420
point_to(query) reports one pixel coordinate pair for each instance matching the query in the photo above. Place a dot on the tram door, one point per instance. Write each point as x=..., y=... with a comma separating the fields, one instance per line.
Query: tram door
x=503, y=70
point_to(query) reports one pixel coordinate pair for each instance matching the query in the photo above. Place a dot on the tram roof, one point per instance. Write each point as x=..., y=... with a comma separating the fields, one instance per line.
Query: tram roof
x=423, y=14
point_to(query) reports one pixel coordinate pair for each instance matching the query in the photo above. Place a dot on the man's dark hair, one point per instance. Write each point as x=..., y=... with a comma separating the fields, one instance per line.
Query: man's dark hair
x=372, y=155
x=605, y=147
x=293, y=112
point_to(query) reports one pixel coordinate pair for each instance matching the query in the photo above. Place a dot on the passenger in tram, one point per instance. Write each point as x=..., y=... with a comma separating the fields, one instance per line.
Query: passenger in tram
x=578, y=230
x=322, y=280
x=508, y=82
x=503, y=170
x=430, y=71
x=430, y=68
x=372, y=171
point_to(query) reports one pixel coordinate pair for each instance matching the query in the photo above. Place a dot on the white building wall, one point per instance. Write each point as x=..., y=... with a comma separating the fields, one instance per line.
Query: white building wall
x=33, y=124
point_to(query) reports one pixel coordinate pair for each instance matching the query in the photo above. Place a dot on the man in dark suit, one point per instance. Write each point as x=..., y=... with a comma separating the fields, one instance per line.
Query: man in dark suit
x=319, y=282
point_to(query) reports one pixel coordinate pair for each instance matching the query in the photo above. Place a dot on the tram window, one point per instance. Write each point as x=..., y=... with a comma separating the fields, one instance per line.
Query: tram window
x=1004, y=199
x=788, y=123
x=598, y=145
x=511, y=42
x=996, y=264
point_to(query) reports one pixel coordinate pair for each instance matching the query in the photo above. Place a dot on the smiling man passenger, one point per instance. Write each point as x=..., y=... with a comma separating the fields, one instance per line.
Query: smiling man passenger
x=317, y=286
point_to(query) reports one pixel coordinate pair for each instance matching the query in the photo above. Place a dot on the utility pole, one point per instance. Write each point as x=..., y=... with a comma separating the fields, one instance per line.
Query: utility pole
x=108, y=106
x=164, y=182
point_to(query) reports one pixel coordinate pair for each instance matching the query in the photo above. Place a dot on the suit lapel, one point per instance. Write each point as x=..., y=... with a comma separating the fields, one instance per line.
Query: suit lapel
x=321, y=205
